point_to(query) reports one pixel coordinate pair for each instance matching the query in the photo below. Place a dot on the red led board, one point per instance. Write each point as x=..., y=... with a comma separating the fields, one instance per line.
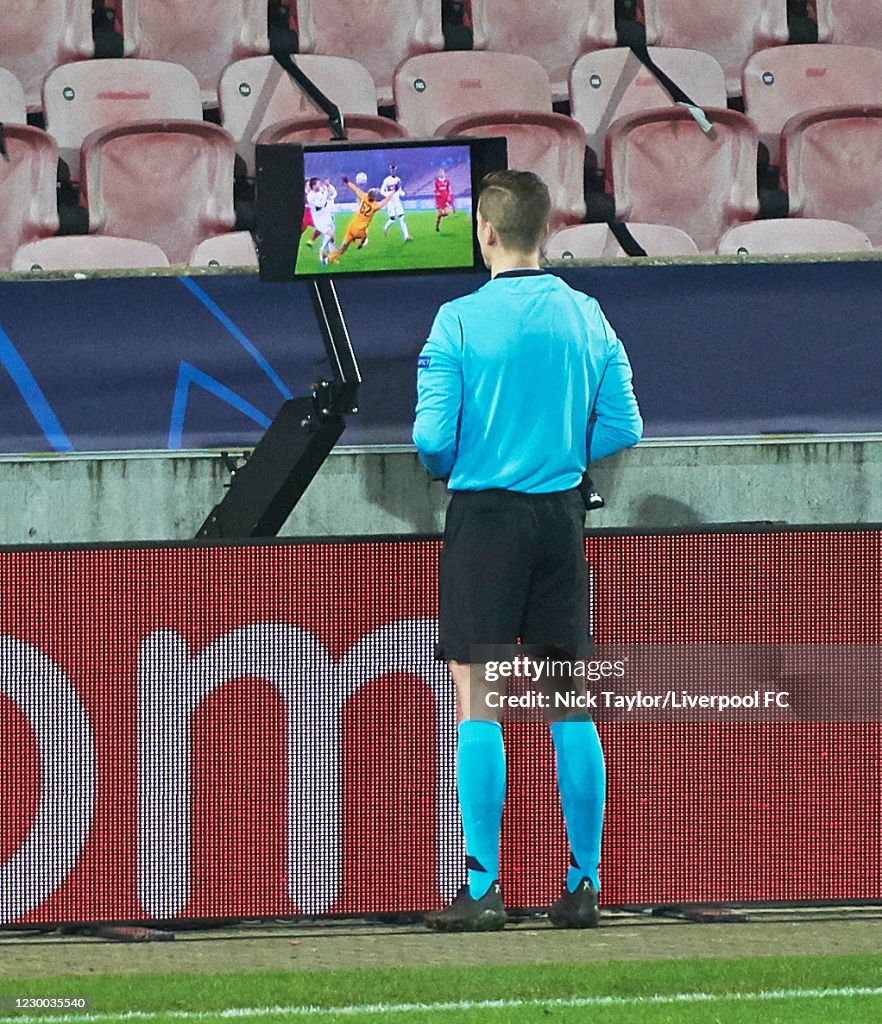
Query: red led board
x=224, y=731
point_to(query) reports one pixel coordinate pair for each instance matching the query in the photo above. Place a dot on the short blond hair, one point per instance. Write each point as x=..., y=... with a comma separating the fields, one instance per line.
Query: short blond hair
x=517, y=204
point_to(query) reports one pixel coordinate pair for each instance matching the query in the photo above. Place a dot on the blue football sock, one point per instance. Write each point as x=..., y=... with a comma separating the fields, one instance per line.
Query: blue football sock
x=581, y=779
x=480, y=779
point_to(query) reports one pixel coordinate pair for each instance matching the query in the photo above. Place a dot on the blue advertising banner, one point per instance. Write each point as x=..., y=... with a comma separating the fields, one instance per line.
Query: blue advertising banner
x=205, y=362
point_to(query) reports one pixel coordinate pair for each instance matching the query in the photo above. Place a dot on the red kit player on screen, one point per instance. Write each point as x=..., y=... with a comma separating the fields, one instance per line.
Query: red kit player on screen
x=443, y=197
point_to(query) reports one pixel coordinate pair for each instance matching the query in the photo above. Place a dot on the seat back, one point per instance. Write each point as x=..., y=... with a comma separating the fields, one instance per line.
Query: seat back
x=609, y=84
x=235, y=249
x=309, y=128
x=81, y=98
x=257, y=92
x=27, y=184
x=830, y=163
x=792, y=235
x=553, y=32
x=552, y=145
x=663, y=169
x=788, y=80
x=88, y=252
x=379, y=34
x=168, y=182
x=13, y=109
x=433, y=88
x=38, y=35
x=729, y=30
x=858, y=22
x=203, y=35
x=596, y=241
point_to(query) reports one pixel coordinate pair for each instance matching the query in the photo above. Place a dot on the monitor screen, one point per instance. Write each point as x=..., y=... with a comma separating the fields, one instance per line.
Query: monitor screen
x=379, y=207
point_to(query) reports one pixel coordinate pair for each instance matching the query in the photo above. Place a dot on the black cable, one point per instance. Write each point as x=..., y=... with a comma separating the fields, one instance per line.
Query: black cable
x=327, y=106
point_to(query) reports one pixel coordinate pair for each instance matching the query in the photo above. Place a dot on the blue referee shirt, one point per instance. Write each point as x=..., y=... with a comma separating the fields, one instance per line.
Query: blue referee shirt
x=507, y=381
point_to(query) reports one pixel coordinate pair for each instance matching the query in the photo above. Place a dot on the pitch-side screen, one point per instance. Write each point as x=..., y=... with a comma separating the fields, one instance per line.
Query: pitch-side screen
x=384, y=207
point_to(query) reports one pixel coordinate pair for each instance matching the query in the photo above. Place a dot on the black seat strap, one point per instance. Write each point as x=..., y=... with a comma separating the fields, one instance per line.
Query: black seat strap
x=677, y=94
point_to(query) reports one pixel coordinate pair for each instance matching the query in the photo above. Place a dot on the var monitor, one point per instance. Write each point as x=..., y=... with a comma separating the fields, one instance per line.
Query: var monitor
x=378, y=207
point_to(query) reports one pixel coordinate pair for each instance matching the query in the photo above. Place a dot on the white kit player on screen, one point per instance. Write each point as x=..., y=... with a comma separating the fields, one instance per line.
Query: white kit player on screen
x=394, y=208
x=320, y=198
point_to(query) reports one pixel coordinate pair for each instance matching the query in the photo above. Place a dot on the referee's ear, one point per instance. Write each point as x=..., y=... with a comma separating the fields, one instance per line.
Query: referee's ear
x=487, y=234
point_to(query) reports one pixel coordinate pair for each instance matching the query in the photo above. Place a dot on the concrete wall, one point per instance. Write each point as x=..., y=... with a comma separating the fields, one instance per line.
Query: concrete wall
x=73, y=499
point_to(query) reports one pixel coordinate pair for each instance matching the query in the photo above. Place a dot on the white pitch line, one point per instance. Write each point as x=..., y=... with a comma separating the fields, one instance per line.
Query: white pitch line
x=374, y=1009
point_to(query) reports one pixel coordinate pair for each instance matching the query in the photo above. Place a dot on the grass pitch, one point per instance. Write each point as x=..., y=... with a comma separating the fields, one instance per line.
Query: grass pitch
x=774, y=990
x=449, y=247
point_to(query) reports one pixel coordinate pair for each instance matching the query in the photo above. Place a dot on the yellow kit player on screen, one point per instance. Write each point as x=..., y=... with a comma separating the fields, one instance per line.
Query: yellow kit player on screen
x=356, y=230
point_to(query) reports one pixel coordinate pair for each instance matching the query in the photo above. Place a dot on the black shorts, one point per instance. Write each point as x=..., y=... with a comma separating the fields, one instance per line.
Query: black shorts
x=513, y=569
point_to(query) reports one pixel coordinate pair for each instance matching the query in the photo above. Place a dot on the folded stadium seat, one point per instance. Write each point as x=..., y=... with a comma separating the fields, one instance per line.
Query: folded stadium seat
x=39, y=35
x=81, y=98
x=596, y=241
x=554, y=32
x=850, y=21
x=787, y=80
x=431, y=89
x=257, y=92
x=235, y=249
x=552, y=145
x=830, y=162
x=309, y=128
x=792, y=235
x=27, y=184
x=379, y=34
x=729, y=31
x=88, y=252
x=168, y=182
x=663, y=169
x=610, y=84
x=203, y=35
x=13, y=109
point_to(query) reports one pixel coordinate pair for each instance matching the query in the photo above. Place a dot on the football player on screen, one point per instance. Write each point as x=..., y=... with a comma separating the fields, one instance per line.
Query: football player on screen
x=443, y=197
x=356, y=229
x=394, y=191
x=320, y=201
x=307, y=223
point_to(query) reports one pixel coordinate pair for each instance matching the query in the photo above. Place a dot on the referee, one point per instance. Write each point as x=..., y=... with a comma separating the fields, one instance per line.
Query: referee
x=520, y=385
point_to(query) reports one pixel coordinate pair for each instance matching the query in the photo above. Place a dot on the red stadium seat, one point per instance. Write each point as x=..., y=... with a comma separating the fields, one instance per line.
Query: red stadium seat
x=662, y=169
x=27, y=183
x=81, y=98
x=235, y=249
x=309, y=128
x=610, y=84
x=436, y=87
x=792, y=235
x=13, y=109
x=168, y=182
x=830, y=163
x=553, y=32
x=596, y=241
x=550, y=144
x=258, y=92
x=38, y=35
x=88, y=252
x=788, y=80
x=857, y=22
x=379, y=34
x=203, y=35
x=729, y=30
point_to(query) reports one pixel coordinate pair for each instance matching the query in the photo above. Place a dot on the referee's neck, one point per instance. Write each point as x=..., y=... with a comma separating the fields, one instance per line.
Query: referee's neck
x=504, y=260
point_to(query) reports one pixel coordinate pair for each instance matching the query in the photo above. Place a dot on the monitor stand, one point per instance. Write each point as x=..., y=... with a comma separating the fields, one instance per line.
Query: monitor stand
x=264, y=490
